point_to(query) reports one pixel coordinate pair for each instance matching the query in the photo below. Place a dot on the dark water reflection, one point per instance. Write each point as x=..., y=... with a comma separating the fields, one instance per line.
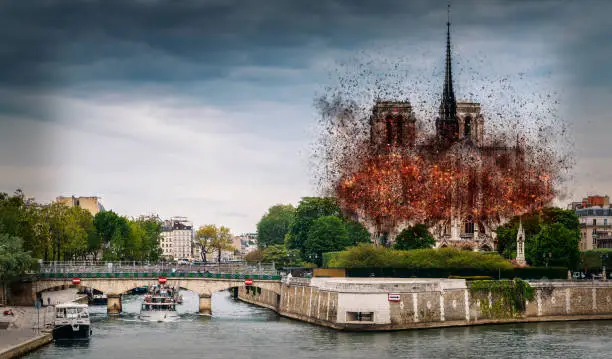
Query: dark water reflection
x=239, y=330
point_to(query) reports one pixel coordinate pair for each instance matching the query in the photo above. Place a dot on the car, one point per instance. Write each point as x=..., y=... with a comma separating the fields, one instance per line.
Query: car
x=578, y=275
x=183, y=261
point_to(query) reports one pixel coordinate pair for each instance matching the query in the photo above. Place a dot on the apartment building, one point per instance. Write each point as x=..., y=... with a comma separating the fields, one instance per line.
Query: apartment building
x=177, y=238
x=595, y=216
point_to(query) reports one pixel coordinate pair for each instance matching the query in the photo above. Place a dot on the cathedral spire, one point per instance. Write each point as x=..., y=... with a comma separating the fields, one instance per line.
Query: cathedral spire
x=448, y=107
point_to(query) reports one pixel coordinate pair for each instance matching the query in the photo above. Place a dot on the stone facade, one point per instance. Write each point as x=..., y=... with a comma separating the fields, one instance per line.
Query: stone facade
x=91, y=204
x=460, y=128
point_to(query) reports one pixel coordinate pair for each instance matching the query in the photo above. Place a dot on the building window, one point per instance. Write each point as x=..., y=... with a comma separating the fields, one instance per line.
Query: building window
x=359, y=316
x=469, y=225
x=467, y=127
x=594, y=221
x=389, y=125
x=605, y=221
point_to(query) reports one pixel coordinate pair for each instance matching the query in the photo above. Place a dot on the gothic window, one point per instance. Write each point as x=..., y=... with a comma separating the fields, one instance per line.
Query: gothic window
x=400, y=130
x=389, y=123
x=469, y=225
x=467, y=127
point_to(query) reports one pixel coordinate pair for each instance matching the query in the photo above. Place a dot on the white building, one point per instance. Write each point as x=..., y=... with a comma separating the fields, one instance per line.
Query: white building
x=177, y=238
x=248, y=243
x=595, y=216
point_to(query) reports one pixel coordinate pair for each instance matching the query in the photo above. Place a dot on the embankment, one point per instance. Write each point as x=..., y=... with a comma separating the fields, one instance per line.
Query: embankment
x=370, y=304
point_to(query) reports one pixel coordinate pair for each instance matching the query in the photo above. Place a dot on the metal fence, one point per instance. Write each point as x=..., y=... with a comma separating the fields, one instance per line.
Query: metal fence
x=162, y=267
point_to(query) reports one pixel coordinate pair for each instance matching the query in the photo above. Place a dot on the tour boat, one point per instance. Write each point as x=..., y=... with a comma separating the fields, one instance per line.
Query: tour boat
x=159, y=305
x=71, y=322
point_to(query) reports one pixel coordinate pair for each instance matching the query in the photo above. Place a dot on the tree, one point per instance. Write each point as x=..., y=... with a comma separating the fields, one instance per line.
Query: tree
x=274, y=225
x=357, y=233
x=204, y=235
x=120, y=245
x=567, y=218
x=414, y=237
x=254, y=256
x=14, y=261
x=533, y=224
x=326, y=234
x=150, y=248
x=106, y=225
x=215, y=238
x=555, y=245
x=281, y=256
x=19, y=218
x=308, y=210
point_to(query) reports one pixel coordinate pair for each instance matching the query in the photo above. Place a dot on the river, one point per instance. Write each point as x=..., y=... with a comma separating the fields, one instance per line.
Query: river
x=240, y=330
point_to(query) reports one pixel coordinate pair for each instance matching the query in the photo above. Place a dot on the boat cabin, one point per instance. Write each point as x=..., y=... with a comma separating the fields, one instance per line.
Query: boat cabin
x=71, y=311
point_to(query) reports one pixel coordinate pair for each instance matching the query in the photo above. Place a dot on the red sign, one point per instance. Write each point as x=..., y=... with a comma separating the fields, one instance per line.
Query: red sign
x=76, y=280
x=162, y=280
x=248, y=282
x=394, y=297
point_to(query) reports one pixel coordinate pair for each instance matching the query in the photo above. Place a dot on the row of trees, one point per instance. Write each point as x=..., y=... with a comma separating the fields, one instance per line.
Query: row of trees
x=295, y=236
x=298, y=236
x=552, y=237
x=57, y=232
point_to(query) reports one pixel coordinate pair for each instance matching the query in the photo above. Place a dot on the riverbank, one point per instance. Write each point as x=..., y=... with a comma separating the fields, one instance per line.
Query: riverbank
x=28, y=328
x=389, y=304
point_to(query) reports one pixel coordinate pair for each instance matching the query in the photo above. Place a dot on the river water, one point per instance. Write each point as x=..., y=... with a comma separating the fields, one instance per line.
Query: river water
x=240, y=330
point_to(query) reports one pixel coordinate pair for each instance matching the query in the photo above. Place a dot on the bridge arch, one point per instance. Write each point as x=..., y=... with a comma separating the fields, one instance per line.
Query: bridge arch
x=114, y=288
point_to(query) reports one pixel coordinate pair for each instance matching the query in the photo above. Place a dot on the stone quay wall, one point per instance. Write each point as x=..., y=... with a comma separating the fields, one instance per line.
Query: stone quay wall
x=363, y=304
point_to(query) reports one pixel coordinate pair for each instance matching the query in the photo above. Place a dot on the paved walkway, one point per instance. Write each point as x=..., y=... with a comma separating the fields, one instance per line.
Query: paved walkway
x=23, y=324
x=9, y=338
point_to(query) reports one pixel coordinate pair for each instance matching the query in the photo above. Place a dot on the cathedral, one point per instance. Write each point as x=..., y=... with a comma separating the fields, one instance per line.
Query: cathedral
x=459, y=129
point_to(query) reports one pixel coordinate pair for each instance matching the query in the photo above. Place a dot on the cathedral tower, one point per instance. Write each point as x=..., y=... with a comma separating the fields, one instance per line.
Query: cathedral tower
x=392, y=124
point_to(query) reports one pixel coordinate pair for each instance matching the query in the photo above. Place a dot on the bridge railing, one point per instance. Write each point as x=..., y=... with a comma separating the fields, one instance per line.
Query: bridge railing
x=163, y=267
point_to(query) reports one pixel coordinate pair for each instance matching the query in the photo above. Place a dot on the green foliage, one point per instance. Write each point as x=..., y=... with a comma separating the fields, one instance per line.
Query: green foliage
x=255, y=256
x=14, y=261
x=58, y=232
x=307, y=211
x=556, y=245
x=542, y=229
x=414, y=237
x=508, y=297
x=357, y=233
x=274, y=225
x=369, y=256
x=329, y=257
x=326, y=234
x=281, y=256
x=213, y=239
x=106, y=224
x=592, y=260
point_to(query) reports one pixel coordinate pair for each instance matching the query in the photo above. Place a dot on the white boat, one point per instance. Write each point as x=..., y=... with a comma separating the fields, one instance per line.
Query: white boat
x=159, y=305
x=71, y=322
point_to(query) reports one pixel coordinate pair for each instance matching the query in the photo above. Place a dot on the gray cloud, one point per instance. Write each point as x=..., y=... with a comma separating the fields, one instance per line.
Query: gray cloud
x=114, y=96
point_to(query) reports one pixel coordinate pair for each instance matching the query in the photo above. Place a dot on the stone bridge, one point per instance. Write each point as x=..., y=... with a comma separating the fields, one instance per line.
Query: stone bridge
x=114, y=285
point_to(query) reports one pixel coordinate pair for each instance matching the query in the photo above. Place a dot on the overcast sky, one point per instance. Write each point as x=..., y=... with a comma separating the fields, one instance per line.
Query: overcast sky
x=204, y=108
